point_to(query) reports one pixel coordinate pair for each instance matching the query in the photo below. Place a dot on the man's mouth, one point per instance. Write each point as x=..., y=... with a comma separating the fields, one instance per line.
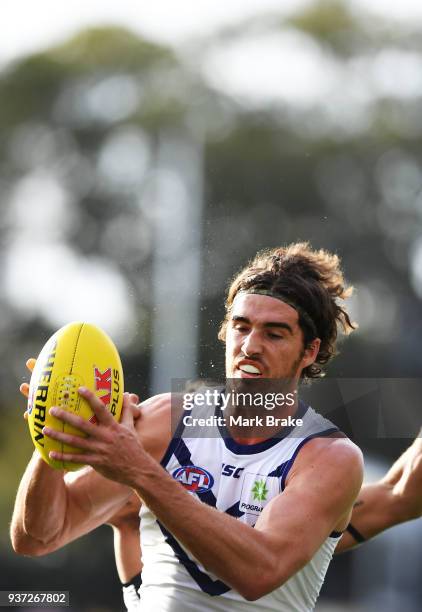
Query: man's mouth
x=250, y=369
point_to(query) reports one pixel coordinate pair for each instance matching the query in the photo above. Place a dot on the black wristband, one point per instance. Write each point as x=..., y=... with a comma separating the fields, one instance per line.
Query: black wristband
x=355, y=533
x=136, y=581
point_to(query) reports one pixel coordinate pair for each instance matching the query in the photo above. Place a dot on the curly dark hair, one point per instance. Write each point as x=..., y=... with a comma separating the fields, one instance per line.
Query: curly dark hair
x=310, y=280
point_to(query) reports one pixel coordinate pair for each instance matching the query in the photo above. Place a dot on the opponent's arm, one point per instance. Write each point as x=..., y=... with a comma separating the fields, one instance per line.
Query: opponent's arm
x=127, y=549
x=394, y=499
x=320, y=492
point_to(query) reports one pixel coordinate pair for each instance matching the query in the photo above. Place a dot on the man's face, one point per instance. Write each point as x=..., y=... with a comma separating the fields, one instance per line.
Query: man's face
x=264, y=340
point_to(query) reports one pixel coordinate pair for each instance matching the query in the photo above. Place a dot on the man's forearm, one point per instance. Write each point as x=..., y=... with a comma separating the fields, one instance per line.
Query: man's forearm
x=377, y=508
x=39, y=507
x=219, y=542
x=394, y=499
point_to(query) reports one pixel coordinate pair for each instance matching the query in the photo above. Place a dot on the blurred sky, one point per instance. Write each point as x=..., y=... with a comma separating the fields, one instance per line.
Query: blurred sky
x=28, y=26
x=311, y=75
x=308, y=77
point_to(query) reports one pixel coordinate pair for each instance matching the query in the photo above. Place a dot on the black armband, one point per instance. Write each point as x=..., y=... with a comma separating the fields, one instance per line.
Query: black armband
x=136, y=581
x=355, y=533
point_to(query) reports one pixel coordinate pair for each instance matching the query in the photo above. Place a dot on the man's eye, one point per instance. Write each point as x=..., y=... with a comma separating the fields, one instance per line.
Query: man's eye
x=275, y=336
x=240, y=328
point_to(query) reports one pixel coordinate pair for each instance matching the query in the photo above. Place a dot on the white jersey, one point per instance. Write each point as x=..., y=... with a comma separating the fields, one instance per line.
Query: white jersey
x=240, y=480
x=131, y=598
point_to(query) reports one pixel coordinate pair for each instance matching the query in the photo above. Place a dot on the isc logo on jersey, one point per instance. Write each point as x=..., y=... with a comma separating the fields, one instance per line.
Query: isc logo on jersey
x=194, y=478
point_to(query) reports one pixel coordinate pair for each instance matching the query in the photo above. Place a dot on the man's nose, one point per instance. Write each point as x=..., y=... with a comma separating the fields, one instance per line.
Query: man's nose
x=252, y=344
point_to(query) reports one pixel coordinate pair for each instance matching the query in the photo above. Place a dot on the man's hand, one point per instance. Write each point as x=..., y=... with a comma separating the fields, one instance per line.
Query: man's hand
x=112, y=449
x=30, y=364
x=24, y=388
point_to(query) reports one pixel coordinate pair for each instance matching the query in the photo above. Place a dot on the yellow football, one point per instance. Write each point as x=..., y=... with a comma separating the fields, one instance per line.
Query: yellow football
x=77, y=354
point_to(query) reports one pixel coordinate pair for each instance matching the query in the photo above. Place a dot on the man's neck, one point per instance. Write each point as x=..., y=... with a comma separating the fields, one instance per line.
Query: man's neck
x=251, y=425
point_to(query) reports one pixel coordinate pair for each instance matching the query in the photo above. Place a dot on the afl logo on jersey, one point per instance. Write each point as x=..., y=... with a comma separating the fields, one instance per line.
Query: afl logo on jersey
x=194, y=478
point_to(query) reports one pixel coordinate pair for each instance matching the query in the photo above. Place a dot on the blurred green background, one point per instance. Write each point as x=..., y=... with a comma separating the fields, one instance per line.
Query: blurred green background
x=135, y=180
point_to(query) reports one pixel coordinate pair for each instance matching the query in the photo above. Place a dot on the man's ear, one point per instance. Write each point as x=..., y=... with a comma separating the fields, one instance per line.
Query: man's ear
x=223, y=331
x=311, y=352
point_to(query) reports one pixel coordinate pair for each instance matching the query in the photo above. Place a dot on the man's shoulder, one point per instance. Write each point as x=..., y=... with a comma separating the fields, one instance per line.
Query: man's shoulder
x=336, y=452
x=330, y=470
x=327, y=448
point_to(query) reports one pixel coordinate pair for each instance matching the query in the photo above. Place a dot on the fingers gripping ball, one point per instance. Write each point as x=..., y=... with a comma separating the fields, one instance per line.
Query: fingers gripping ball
x=77, y=354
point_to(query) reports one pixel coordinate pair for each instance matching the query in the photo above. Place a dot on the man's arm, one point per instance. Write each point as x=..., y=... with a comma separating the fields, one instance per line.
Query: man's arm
x=394, y=499
x=127, y=549
x=323, y=484
x=53, y=508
